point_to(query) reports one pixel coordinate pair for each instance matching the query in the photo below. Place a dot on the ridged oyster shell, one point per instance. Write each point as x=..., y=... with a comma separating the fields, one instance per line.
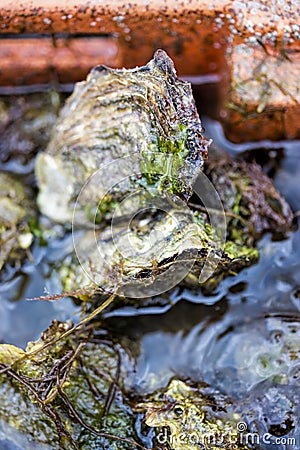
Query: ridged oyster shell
x=147, y=113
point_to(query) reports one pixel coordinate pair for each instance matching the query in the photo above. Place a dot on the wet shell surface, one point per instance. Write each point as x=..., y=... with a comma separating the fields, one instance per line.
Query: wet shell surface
x=146, y=113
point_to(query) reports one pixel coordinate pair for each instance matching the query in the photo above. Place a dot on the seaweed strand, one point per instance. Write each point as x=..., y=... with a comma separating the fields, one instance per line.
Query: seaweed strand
x=45, y=408
x=79, y=419
x=67, y=333
x=111, y=392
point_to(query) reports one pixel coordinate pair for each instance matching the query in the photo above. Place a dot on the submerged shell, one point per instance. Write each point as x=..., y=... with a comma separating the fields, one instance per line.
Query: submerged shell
x=266, y=349
x=252, y=203
x=15, y=210
x=187, y=417
x=147, y=113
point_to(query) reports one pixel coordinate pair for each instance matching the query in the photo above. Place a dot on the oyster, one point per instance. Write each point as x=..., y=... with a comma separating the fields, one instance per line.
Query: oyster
x=68, y=395
x=252, y=203
x=124, y=159
x=184, y=236
x=189, y=418
x=151, y=256
x=16, y=209
x=146, y=113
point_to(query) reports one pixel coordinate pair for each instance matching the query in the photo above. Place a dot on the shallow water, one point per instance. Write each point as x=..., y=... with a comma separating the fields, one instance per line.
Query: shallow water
x=242, y=336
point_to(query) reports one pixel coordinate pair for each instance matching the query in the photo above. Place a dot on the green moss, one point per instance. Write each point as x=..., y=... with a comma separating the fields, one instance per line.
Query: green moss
x=35, y=229
x=98, y=214
x=235, y=251
x=231, y=248
x=162, y=161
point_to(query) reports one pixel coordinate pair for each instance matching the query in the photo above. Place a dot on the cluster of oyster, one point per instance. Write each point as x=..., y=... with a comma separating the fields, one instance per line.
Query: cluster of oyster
x=126, y=155
x=120, y=168
x=124, y=172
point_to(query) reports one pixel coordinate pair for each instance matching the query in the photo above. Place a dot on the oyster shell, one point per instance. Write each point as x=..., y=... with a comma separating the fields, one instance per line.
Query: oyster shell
x=252, y=203
x=151, y=256
x=190, y=417
x=147, y=113
x=16, y=208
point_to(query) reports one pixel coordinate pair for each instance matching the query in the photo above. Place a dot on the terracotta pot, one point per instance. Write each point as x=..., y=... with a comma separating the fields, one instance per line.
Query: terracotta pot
x=246, y=52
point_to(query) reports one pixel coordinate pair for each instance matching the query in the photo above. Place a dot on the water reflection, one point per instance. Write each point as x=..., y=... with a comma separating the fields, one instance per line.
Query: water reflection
x=23, y=320
x=230, y=347
x=11, y=439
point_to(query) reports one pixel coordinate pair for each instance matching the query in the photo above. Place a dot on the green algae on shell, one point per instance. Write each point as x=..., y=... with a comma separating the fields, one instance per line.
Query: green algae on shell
x=69, y=394
x=147, y=113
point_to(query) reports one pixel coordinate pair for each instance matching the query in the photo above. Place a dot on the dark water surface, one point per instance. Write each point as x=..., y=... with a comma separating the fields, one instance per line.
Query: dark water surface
x=242, y=338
